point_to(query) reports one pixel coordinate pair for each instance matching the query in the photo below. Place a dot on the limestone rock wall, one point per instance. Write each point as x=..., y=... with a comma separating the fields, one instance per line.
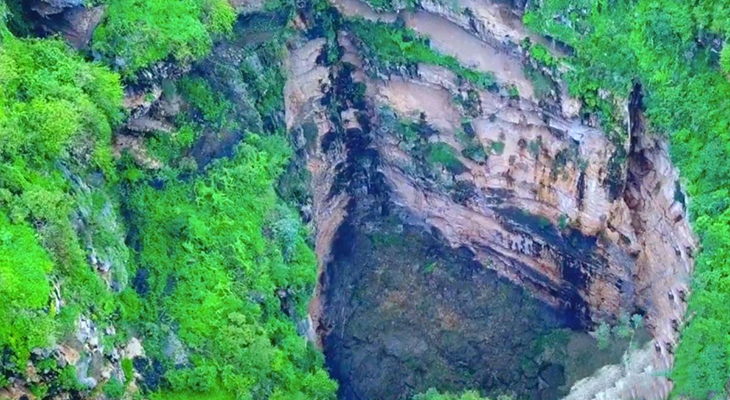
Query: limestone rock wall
x=593, y=225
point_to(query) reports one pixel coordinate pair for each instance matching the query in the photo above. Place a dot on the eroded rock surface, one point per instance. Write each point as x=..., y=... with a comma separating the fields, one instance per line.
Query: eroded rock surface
x=72, y=19
x=590, y=227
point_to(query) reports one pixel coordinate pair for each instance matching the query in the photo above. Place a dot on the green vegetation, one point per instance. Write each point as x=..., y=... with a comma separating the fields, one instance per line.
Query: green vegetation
x=542, y=83
x=432, y=394
x=50, y=98
x=138, y=33
x=222, y=269
x=54, y=106
x=445, y=155
x=17, y=22
x=666, y=46
x=241, y=273
x=3, y=18
x=266, y=82
x=25, y=290
x=473, y=148
x=393, y=46
x=624, y=329
x=563, y=221
x=213, y=107
x=388, y=5
x=218, y=270
x=114, y=390
x=432, y=157
x=535, y=146
x=498, y=147
x=540, y=54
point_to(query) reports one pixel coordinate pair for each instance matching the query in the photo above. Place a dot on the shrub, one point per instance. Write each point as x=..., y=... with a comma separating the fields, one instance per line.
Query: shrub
x=137, y=33
x=24, y=292
x=445, y=155
x=53, y=103
x=603, y=335
x=433, y=394
x=215, y=272
x=128, y=369
x=113, y=389
x=498, y=147
x=50, y=98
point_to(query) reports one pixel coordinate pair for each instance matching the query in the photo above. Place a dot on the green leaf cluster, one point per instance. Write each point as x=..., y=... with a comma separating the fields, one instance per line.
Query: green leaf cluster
x=443, y=154
x=138, y=33
x=229, y=272
x=56, y=117
x=50, y=97
x=25, y=291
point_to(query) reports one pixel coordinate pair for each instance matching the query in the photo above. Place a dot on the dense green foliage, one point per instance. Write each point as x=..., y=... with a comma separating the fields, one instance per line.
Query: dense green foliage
x=222, y=271
x=667, y=46
x=25, y=290
x=50, y=98
x=390, y=5
x=137, y=33
x=237, y=259
x=3, y=17
x=394, y=46
x=52, y=103
x=445, y=155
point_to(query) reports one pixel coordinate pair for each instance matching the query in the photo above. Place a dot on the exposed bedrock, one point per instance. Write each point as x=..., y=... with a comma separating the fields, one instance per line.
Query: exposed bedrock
x=576, y=227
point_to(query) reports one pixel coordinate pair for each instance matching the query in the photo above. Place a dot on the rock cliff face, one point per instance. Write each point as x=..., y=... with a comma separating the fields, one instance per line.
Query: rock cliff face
x=466, y=238
x=590, y=226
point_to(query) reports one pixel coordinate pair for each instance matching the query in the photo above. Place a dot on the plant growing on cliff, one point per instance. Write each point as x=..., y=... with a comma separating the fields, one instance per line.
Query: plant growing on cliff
x=113, y=389
x=392, y=5
x=213, y=271
x=540, y=54
x=25, y=291
x=394, y=46
x=497, y=147
x=542, y=83
x=624, y=329
x=52, y=103
x=440, y=153
x=433, y=394
x=213, y=107
x=663, y=45
x=137, y=33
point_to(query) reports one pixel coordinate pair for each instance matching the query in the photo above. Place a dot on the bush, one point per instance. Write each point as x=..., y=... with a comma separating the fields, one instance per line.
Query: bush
x=137, y=33
x=433, y=394
x=52, y=103
x=24, y=292
x=113, y=389
x=212, y=105
x=50, y=98
x=445, y=155
x=215, y=272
